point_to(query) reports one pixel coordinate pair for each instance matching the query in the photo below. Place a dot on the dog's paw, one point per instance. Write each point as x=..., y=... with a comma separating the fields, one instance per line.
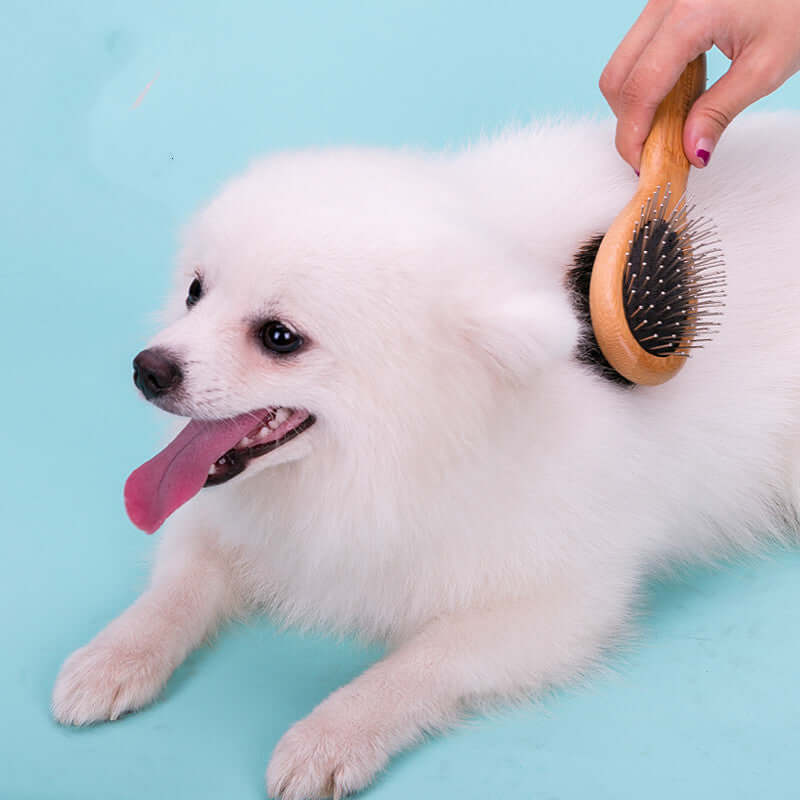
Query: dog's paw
x=104, y=680
x=323, y=757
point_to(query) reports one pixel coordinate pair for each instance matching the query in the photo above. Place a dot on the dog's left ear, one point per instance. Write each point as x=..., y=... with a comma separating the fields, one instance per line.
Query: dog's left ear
x=524, y=333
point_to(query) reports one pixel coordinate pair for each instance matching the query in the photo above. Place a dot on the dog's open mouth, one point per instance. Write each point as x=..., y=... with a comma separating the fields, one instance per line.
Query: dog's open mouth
x=206, y=453
x=279, y=426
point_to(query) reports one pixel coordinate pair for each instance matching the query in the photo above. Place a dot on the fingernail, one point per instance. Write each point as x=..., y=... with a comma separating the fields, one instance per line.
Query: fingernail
x=704, y=148
x=637, y=172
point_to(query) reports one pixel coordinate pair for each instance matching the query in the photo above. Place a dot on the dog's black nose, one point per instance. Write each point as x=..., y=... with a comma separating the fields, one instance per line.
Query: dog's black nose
x=156, y=372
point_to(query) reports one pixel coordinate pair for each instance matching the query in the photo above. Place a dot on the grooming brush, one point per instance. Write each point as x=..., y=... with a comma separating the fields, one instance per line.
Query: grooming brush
x=657, y=283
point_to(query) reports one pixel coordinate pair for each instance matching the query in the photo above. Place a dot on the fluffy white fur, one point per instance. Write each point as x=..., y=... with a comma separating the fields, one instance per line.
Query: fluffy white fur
x=470, y=493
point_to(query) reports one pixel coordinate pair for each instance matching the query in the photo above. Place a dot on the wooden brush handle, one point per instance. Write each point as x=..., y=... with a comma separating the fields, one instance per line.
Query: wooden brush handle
x=663, y=158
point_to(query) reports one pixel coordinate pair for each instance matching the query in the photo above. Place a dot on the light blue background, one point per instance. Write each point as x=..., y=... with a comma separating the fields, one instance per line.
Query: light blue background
x=706, y=705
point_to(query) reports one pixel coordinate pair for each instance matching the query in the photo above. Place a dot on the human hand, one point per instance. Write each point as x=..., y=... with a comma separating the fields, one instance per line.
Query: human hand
x=762, y=39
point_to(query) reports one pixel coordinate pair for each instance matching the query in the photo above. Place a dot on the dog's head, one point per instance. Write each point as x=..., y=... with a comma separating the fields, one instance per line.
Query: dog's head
x=328, y=299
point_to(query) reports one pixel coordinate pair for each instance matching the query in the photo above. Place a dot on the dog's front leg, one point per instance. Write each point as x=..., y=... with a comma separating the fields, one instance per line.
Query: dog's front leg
x=452, y=665
x=128, y=663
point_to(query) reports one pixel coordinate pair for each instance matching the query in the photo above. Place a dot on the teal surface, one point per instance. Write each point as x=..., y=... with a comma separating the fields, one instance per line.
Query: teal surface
x=95, y=187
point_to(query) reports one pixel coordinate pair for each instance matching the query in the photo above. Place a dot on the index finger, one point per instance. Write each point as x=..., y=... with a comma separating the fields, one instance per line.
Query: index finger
x=630, y=48
x=675, y=44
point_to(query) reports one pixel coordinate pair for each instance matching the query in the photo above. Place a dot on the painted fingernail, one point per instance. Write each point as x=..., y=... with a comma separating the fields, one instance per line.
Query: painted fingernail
x=637, y=172
x=704, y=148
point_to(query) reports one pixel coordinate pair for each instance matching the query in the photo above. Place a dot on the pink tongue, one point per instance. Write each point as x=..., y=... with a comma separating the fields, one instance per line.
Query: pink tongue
x=179, y=471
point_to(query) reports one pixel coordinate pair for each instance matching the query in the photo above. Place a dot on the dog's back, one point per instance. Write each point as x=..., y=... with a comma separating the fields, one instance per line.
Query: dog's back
x=723, y=438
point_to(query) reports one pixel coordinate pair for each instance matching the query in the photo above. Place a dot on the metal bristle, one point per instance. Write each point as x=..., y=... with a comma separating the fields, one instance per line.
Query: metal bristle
x=674, y=283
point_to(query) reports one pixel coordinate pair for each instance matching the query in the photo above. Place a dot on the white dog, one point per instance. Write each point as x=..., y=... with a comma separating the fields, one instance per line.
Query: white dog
x=386, y=347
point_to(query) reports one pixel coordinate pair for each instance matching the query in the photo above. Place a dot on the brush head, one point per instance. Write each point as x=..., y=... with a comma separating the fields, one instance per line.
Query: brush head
x=673, y=284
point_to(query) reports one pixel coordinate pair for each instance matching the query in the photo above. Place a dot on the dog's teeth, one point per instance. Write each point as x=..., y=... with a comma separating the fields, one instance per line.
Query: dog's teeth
x=264, y=431
x=212, y=469
x=281, y=415
x=272, y=424
x=246, y=441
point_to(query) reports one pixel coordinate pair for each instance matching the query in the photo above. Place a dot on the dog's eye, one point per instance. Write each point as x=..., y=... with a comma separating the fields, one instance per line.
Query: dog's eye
x=195, y=292
x=278, y=338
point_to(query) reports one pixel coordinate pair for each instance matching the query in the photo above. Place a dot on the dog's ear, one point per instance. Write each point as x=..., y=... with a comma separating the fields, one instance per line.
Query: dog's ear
x=523, y=333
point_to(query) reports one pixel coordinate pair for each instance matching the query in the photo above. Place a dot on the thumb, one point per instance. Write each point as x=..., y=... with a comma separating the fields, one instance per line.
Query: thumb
x=744, y=83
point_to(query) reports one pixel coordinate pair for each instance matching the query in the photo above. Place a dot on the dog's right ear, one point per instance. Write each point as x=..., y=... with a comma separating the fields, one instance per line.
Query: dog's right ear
x=523, y=333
